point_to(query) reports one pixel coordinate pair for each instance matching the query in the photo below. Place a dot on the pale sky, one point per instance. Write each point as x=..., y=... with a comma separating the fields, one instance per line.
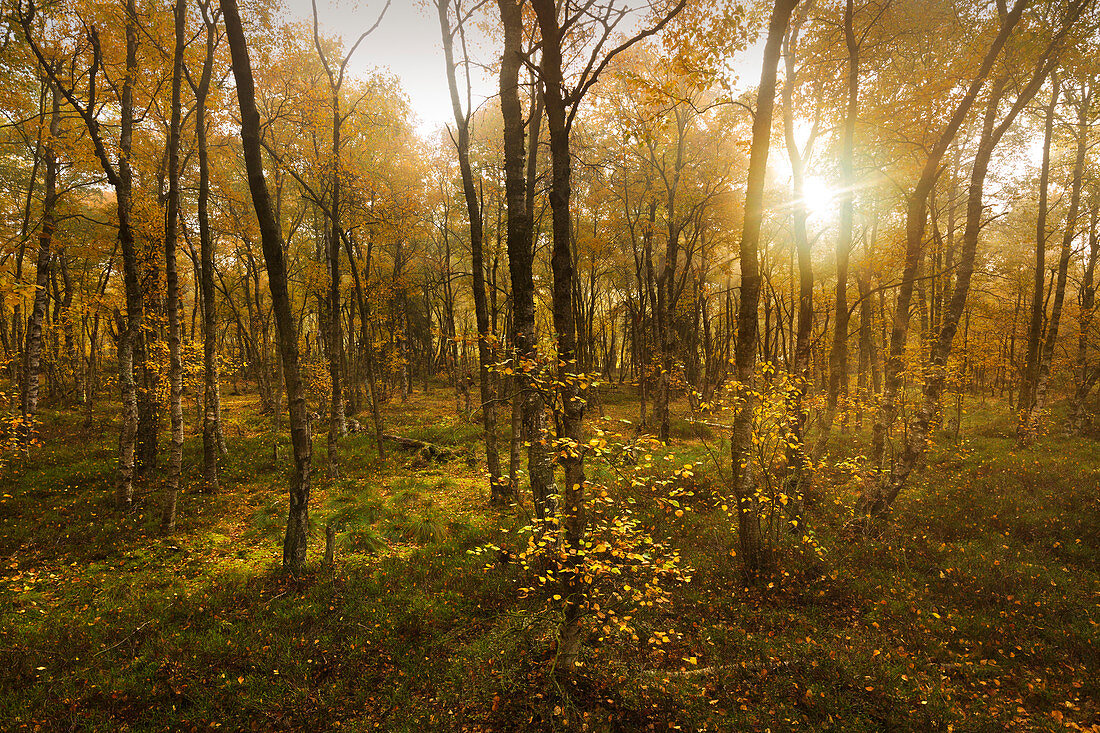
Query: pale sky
x=406, y=43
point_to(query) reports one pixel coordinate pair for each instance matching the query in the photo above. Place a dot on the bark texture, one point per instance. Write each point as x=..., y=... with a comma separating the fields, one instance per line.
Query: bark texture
x=519, y=198
x=32, y=350
x=297, y=529
x=172, y=216
x=755, y=553
x=485, y=336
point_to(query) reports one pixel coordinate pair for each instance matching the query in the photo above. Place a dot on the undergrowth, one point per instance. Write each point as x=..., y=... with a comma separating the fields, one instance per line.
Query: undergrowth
x=976, y=609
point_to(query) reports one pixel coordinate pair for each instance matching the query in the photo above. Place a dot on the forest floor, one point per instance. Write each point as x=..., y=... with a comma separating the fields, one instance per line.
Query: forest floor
x=977, y=609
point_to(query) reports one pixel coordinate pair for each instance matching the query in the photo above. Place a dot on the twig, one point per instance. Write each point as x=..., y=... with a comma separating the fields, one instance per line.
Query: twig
x=131, y=636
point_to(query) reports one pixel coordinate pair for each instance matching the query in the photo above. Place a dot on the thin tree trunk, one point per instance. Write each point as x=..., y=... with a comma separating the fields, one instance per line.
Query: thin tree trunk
x=134, y=298
x=571, y=458
x=297, y=531
x=1042, y=385
x=17, y=326
x=337, y=426
x=71, y=353
x=519, y=170
x=335, y=336
x=802, y=379
x=915, y=223
x=877, y=502
x=838, y=354
x=211, y=410
x=1026, y=400
x=498, y=490
x=175, y=365
x=1086, y=376
x=367, y=339
x=756, y=555
x=936, y=370
x=32, y=351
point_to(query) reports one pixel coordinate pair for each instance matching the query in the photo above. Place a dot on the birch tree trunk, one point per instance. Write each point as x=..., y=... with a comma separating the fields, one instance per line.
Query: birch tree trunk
x=1086, y=374
x=175, y=366
x=915, y=222
x=1042, y=384
x=337, y=426
x=571, y=451
x=519, y=197
x=135, y=301
x=32, y=351
x=879, y=501
x=756, y=555
x=212, y=443
x=802, y=379
x=485, y=336
x=838, y=354
x=1030, y=380
x=297, y=529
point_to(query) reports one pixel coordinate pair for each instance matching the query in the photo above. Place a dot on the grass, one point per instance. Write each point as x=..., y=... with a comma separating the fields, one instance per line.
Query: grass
x=977, y=609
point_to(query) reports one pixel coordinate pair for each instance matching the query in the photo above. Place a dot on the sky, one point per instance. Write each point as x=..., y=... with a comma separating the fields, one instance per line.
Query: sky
x=406, y=43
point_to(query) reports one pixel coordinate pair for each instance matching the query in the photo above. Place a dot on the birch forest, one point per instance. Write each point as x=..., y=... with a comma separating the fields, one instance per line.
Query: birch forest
x=549, y=365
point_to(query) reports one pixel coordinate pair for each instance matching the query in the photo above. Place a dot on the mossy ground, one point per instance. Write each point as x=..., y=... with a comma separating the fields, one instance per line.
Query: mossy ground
x=977, y=609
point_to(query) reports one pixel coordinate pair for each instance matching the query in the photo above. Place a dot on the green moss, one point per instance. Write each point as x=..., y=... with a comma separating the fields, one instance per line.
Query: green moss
x=977, y=600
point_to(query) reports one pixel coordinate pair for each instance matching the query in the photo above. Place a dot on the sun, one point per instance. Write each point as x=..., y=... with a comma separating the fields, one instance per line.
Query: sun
x=819, y=198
